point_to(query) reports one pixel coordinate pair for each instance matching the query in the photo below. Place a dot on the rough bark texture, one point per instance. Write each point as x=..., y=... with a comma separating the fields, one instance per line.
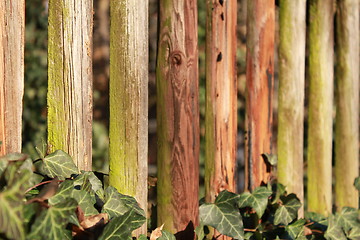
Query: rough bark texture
x=178, y=116
x=129, y=99
x=12, y=31
x=70, y=79
x=347, y=103
x=221, y=99
x=259, y=84
x=320, y=105
x=291, y=96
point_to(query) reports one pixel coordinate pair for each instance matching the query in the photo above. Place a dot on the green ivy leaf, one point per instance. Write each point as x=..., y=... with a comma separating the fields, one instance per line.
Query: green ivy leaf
x=354, y=233
x=357, y=183
x=280, y=190
x=287, y=212
x=296, y=230
x=334, y=231
x=142, y=237
x=166, y=236
x=258, y=200
x=348, y=218
x=11, y=207
x=117, y=204
x=59, y=164
x=199, y=231
x=223, y=215
x=85, y=201
x=51, y=223
x=270, y=158
x=90, y=183
x=67, y=190
x=248, y=235
x=120, y=227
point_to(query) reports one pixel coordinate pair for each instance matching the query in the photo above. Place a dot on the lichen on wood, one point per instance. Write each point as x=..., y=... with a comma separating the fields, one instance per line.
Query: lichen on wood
x=291, y=96
x=321, y=87
x=129, y=99
x=70, y=79
x=347, y=103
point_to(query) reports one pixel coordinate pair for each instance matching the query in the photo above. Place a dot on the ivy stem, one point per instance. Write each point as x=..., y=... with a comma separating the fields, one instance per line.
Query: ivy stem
x=42, y=183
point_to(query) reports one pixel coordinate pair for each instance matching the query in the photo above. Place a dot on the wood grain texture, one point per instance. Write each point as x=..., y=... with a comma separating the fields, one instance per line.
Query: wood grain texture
x=321, y=62
x=221, y=99
x=12, y=31
x=70, y=79
x=291, y=96
x=129, y=99
x=347, y=103
x=178, y=115
x=259, y=89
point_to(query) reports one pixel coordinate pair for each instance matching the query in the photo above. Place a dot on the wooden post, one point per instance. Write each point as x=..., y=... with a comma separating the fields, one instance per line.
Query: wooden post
x=221, y=98
x=70, y=79
x=178, y=116
x=347, y=103
x=291, y=96
x=129, y=99
x=321, y=65
x=259, y=84
x=12, y=31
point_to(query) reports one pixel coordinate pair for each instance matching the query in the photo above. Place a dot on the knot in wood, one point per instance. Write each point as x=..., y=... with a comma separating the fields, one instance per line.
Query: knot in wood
x=176, y=58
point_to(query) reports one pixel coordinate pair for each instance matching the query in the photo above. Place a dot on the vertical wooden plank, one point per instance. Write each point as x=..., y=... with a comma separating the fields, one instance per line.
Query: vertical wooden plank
x=129, y=99
x=221, y=97
x=12, y=31
x=291, y=96
x=320, y=105
x=347, y=103
x=259, y=89
x=178, y=116
x=70, y=79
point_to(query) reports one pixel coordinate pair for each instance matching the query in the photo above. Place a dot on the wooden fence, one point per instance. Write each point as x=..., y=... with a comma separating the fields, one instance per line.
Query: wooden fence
x=302, y=25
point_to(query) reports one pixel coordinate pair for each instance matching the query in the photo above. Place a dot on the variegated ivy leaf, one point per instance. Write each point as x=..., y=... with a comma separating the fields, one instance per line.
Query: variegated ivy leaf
x=334, y=231
x=59, y=164
x=51, y=222
x=120, y=227
x=223, y=215
x=166, y=236
x=296, y=230
x=117, y=204
x=90, y=183
x=11, y=207
x=258, y=200
x=348, y=218
x=287, y=212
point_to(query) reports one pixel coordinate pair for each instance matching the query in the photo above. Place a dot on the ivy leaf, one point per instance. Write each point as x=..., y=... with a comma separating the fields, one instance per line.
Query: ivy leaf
x=117, y=204
x=59, y=164
x=166, y=236
x=51, y=223
x=296, y=230
x=142, y=237
x=280, y=190
x=270, y=158
x=90, y=183
x=120, y=227
x=86, y=202
x=258, y=200
x=357, y=183
x=348, y=218
x=334, y=231
x=354, y=233
x=11, y=207
x=287, y=212
x=62, y=193
x=84, y=199
x=223, y=215
x=200, y=232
